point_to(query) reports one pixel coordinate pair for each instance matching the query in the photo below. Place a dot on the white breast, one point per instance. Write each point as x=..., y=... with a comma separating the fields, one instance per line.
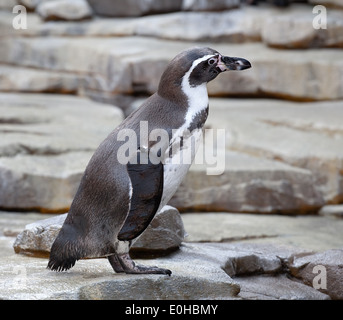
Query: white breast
x=174, y=171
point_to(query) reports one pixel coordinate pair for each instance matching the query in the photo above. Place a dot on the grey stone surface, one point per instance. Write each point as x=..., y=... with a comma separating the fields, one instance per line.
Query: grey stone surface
x=276, y=287
x=307, y=233
x=238, y=25
x=165, y=232
x=294, y=29
x=238, y=268
x=128, y=8
x=261, y=174
x=64, y=10
x=208, y=5
x=323, y=270
x=7, y=4
x=18, y=79
x=331, y=3
x=25, y=277
x=135, y=64
x=48, y=141
x=332, y=210
x=248, y=184
x=307, y=135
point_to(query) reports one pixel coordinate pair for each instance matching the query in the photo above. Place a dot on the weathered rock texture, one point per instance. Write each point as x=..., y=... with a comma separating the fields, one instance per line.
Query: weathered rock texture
x=326, y=266
x=331, y=3
x=129, y=8
x=64, y=10
x=47, y=143
x=259, y=257
x=249, y=184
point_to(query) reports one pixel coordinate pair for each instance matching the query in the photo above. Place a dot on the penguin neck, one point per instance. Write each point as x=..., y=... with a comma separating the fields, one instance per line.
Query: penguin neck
x=197, y=97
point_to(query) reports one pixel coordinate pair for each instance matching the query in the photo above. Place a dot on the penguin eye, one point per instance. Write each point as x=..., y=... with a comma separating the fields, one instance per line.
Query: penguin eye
x=212, y=61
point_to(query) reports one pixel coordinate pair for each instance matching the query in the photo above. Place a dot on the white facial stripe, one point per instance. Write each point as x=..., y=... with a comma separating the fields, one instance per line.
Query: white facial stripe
x=194, y=65
x=185, y=85
x=197, y=96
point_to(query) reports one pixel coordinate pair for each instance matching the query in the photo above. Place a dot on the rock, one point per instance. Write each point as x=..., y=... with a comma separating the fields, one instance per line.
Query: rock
x=295, y=30
x=238, y=25
x=323, y=270
x=38, y=237
x=206, y=5
x=164, y=234
x=330, y=3
x=195, y=276
x=252, y=259
x=313, y=131
x=89, y=27
x=64, y=10
x=259, y=266
x=43, y=183
x=131, y=8
x=306, y=233
x=248, y=184
x=49, y=141
x=234, y=26
x=279, y=287
x=31, y=5
x=19, y=79
x=332, y=210
x=298, y=185
x=283, y=74
x=45, y=124
x=135, y=64
x=7, y=4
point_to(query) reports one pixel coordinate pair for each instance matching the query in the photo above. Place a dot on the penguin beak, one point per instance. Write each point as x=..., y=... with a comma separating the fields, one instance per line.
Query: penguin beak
x=233, y=63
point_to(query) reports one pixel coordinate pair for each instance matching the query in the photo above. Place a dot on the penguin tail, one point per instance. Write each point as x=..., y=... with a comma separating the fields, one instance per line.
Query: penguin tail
x=64, y=253
x=57, y=264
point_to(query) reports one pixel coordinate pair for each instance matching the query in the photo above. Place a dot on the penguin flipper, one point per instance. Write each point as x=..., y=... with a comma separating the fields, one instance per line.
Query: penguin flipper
x=147, y=189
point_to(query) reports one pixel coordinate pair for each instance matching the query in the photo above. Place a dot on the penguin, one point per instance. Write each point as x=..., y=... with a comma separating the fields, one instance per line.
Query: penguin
x=130, y=178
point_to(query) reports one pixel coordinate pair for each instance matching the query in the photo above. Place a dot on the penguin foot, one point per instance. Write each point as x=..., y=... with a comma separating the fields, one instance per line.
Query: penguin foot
x=115, y=263
x=128, y=266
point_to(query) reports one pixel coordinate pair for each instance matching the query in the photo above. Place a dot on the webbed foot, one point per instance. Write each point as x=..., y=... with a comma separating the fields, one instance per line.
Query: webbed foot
x=124, y=263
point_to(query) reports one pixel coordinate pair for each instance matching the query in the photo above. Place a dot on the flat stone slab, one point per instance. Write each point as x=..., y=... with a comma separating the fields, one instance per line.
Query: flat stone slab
x=248, y=184
x=244, y=24
x=279, y=287
x=238, y=269
x=23, y=277
x=294, y=28
x=323, y=269
x=303, y=135
x=309, y=233
x=135, y=64
x=47, y=141
x=332, y=210
x=19, y=79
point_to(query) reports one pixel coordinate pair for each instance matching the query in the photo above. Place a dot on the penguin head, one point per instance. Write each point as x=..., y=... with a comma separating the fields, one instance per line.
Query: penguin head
x=198, y=66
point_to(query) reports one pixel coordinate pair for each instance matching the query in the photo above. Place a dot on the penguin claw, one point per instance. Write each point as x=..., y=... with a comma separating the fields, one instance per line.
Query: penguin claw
x=128, y=266
x=152, y=270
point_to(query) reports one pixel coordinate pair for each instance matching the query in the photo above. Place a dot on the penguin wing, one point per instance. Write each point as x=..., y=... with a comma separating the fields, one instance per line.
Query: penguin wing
x=147, y=188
